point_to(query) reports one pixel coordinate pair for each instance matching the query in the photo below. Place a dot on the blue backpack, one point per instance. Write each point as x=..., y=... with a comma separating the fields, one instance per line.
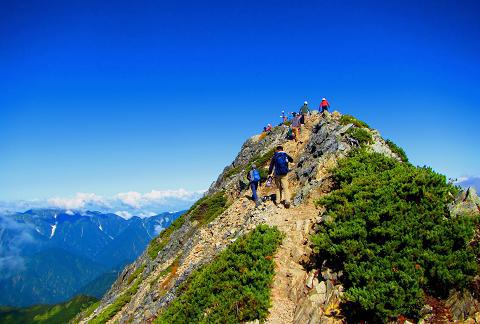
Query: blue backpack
x=281, y=163
x=256, y=175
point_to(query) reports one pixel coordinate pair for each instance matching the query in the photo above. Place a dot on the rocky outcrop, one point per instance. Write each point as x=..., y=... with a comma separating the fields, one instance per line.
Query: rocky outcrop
x=466, y=203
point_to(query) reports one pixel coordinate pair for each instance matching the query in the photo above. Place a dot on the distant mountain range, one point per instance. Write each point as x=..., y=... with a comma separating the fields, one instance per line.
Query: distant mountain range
x=50, y=255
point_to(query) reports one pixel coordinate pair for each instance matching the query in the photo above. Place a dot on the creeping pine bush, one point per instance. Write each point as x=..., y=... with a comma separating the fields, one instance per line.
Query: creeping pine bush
x=397, y=150
x=234, y=288
x=348, y=119
x=389, y=229
x=204, y=211
x=362, y=135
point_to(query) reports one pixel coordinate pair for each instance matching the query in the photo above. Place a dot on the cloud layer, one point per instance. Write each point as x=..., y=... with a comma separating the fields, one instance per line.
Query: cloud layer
x=124, y=204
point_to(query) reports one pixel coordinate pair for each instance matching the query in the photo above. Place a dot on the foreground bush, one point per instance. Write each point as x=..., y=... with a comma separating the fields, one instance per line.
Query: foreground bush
x=234, y=288
x=388, y=228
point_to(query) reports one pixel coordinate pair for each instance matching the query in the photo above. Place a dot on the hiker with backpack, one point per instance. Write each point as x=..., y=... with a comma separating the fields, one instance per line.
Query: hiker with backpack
x=324, y=105
x=279, y=168
x=304, y=111
x=254, y=177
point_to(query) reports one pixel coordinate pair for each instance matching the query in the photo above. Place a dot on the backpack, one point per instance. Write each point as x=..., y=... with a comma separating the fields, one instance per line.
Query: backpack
x=281, y=163
x=256, y=175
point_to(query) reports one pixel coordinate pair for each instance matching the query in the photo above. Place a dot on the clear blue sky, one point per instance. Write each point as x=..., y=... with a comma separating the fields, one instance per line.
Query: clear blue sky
x=111, y=96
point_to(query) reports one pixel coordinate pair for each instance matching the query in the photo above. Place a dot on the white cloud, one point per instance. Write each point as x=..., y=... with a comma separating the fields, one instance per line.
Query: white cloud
x=78, y=202
x=131, y=198
x=124, y=204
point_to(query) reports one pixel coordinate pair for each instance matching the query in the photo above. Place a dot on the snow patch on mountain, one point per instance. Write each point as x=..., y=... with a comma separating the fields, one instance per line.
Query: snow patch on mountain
x=54, y=228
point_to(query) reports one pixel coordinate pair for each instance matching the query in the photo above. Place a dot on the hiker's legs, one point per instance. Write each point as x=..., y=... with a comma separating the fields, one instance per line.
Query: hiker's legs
x=296, y=132
x=285, y=189
x=278, y=192
x=254, y=186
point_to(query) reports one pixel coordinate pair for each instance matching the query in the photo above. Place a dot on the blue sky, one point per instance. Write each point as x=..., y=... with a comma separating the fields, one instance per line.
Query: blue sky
x=133, y=96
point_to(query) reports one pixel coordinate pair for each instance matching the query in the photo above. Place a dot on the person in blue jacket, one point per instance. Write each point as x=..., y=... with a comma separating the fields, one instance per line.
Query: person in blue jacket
x=279, y=168
x=254, y=177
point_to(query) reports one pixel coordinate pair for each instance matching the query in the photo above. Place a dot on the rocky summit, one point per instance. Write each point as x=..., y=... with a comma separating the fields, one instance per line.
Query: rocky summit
x=302, y=289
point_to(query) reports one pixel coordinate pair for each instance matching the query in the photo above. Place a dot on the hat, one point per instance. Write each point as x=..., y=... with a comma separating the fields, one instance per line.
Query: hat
x=324, y=99
x=254, y=166
x=305, y=103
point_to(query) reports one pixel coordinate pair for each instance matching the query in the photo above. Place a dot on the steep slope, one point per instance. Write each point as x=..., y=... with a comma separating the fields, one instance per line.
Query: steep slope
x=301, y=292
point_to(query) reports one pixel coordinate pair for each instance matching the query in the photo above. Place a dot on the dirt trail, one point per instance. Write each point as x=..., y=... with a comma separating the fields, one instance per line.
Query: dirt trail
x=290, y=275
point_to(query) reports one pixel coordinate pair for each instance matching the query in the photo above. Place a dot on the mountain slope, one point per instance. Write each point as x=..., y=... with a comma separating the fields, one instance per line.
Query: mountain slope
x=302, y=290
x=49, y=255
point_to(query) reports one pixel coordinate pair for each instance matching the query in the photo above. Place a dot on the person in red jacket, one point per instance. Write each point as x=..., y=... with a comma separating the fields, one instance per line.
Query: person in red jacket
x=324, y=105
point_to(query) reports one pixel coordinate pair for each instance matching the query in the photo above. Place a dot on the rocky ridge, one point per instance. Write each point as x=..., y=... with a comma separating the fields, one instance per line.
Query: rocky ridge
x=300, y=293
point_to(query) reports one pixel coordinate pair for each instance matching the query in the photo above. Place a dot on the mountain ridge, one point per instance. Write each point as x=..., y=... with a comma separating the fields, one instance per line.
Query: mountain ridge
x=301, y=291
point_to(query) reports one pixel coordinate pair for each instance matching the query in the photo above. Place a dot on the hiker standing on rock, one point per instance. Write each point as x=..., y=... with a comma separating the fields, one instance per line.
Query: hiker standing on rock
x=304, y=111
x=324, y=105
x=279, y=167
x=254, y=177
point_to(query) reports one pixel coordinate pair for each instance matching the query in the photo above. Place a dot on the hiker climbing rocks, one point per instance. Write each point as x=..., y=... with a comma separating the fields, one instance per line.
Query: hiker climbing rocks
x=324, y=105
x=304, y=111
x=268, y=129
x=296, y=124
x=254, y=177
x=279, y=167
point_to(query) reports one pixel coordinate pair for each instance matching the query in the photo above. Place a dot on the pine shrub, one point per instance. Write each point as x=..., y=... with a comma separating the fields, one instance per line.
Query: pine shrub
x=389, y=229
x=234, y=288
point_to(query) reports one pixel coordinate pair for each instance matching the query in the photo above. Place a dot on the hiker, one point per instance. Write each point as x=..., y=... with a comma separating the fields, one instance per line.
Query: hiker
x=324, y=105
x=279, y=167
x=304, y=111
x=296, y=124
x=290, y=134
x=268, y=129
x=254, y=177
x=284, y=117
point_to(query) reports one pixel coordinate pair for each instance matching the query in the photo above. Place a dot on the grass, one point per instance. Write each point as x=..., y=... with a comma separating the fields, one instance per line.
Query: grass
x=110, y=311
x=397, y=150
x=209, y=207
x=59, y=313
x=204, y=211
x=233, y=288
x=348, y=119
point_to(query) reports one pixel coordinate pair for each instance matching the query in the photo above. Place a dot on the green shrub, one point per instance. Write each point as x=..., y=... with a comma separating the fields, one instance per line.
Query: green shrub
x=234, y=288
x=397, y=150
x=390, y=231
x=209, y=207
x=362, y=135
x=348, y=119
x=110, y=311
x=204, y=210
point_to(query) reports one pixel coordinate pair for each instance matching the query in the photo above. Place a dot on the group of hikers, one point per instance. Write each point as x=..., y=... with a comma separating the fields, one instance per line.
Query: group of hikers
x=278, y=169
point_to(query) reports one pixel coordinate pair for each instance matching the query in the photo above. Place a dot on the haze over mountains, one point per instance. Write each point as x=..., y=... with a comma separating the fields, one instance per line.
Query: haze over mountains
x=50, y=255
